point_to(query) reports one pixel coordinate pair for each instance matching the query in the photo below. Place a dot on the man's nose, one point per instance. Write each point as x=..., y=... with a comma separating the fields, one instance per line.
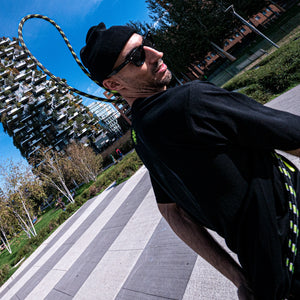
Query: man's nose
x=152, y=55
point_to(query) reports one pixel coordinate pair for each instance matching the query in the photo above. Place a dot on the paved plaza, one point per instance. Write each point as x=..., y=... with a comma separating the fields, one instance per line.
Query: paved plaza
x=117, y=246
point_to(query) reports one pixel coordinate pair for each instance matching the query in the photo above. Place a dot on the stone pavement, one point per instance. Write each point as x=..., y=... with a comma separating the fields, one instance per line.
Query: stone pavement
x=117, y=246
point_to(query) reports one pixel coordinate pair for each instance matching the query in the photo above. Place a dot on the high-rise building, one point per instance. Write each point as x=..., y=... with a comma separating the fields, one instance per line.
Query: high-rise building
x=108, y=117
x=36, y=111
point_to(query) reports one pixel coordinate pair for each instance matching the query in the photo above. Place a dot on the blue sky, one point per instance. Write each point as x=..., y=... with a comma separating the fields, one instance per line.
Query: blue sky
x=75, y=17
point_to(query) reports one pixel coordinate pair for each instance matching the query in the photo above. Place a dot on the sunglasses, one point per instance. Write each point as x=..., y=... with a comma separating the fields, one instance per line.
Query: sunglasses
x=136, y=56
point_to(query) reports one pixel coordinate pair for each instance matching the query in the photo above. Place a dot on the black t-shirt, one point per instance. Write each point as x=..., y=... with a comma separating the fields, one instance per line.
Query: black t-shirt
x=209, y=151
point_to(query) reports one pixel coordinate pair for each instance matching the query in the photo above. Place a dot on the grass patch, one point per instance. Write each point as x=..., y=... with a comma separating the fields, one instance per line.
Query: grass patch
x=274, y=75
x=48, y=221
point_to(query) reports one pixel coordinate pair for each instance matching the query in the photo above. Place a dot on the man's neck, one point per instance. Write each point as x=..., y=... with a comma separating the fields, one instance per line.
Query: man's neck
x=130, y=98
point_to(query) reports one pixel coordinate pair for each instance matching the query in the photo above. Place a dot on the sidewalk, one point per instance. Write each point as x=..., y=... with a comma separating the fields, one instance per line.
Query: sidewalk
x=290, y=102
x=117, y=246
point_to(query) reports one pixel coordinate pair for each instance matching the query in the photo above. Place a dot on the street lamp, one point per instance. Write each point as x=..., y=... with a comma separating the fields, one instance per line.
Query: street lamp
x=250, y=25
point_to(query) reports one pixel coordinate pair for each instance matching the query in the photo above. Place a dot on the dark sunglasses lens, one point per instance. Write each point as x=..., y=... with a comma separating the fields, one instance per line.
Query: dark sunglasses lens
x=138, y=57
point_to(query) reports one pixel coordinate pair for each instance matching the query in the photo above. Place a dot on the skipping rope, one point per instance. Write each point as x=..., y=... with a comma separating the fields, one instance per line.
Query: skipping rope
x=56, y=79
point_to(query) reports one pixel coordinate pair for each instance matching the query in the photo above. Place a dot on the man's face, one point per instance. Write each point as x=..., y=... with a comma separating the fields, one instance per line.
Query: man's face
x=151, y=77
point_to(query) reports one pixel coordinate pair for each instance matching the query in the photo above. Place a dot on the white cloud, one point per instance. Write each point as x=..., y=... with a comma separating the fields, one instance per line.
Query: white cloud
x=95, y=90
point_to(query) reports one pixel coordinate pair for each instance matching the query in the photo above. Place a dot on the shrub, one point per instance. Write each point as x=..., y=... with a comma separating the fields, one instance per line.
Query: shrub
x=273, y=75
x=4, y=270
x=63, y=216
x=26, y=249
x=53, y=224
x=93, y=191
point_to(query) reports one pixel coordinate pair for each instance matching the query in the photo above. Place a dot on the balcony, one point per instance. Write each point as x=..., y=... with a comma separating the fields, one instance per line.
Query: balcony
x=1, y=54
x=4, y=42
x=52, y=90
x=31, y=66
x=14, y=111
x=40, y=102
x=10, y=100
x=12, y=43
x=39, y=79
x=4, y=109
x=10, y=55
x=10, y=64
x=18, y=130
x=61, y=117
x=35, y=141
x=34, y=150
x=28, y=79
x=39, y=91
x=45, y=127
x=26, y=118
x=72, y=117
x=20, y=77
x=24, y=99
x=21, y=65
x=13, y=119
x=7, y=89
x=8, y=49
x=21, y=55
x=15, y=87
x=4, y=73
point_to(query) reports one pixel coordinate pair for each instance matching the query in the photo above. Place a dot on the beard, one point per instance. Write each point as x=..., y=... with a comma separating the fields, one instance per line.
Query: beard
x=154, y=84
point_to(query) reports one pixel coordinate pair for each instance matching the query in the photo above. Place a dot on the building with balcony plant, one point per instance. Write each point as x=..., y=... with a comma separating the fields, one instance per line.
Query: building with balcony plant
x=35, y=111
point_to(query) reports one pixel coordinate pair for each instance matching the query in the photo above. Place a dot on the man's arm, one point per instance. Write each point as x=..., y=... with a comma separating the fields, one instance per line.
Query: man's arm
x=198, y=238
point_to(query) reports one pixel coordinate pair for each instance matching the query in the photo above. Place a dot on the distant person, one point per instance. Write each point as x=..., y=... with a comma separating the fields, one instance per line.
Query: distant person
x=235, y=183
x=118, y=151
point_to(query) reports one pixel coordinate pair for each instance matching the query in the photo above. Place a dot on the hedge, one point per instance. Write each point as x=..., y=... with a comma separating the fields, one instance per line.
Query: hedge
x=272, y=76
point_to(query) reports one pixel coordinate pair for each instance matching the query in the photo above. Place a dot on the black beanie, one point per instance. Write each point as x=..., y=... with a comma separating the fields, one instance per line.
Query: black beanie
x=102, y=49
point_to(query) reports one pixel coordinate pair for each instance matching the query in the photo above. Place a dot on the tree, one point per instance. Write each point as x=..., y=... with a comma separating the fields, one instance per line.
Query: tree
x=187, y=28
x=53, y=169
x=84, y=161
x=5, y=221
x=20, y=184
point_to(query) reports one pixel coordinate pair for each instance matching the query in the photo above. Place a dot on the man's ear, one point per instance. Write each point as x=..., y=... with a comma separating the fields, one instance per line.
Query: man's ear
x=111, y=84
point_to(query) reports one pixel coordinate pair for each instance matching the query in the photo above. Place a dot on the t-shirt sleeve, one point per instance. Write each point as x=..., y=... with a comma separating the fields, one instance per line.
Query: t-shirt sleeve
x=221, y=117
x=160, y=195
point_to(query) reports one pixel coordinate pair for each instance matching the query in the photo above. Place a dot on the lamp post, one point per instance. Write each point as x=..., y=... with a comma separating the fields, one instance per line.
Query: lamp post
x=250, y=25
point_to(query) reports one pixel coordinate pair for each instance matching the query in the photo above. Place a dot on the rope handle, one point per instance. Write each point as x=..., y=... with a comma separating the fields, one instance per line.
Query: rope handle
x=56, y=79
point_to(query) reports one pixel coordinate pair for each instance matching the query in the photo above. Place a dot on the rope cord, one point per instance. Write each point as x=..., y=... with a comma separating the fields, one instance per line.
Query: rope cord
x=285, y=169
x=56, y=79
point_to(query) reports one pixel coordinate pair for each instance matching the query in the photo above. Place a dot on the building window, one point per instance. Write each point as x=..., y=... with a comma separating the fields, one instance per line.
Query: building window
x=212, y=54
x=208, y=58
x=243, y=30
x=257, y=18
x=231, y=39
x=226, y=44
x=264, y=12
x=237, y=34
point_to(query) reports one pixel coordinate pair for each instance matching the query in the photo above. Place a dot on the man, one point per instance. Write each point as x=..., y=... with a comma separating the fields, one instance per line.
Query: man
x=210, y=155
